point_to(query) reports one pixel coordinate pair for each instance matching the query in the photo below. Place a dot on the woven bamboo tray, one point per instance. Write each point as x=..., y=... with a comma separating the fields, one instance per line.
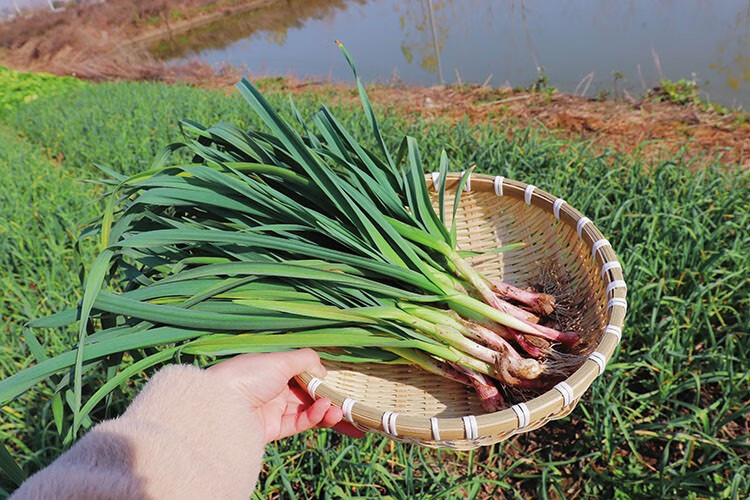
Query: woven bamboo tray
x=411, y=405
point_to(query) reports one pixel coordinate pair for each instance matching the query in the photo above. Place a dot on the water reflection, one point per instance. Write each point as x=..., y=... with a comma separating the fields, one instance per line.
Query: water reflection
x=591, y=45
x=273, y=21
x=425, y=29
x=733, y=53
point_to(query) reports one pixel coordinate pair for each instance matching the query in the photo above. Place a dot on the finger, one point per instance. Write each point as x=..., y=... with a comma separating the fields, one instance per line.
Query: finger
x=295, y=423
x=238, y=362
x=295, y=397
x=282, y=366
x=291, y=363
x=332, y=417
x=298, y=393
x=348, y=429
x=295, y=408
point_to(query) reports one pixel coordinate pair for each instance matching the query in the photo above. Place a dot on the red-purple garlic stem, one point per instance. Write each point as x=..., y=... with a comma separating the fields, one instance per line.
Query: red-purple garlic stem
x=532, y=350
x=489, y=395
x=569, y=339
x=508, y=359
x=512, y=335
x=516, y=311
x=541, y=303
x=432, y=365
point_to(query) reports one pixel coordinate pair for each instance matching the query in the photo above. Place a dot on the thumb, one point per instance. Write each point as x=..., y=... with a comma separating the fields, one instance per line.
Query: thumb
x=277, y=366
x=291, y=363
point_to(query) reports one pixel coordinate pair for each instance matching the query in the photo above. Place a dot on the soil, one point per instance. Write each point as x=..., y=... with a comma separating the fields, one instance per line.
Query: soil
x=657, y=129
x=106, y=41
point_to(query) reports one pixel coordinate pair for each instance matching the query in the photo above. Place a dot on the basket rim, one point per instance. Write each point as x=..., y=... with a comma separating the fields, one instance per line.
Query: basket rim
x=554, y=403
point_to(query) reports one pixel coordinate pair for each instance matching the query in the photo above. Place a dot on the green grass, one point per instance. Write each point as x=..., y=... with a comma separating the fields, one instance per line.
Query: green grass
x=21, y=88
x=669, y=417
x=686, y=93
x=41, y=204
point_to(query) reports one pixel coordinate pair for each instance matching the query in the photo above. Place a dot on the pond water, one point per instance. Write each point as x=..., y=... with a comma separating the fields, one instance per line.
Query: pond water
x=594, y=47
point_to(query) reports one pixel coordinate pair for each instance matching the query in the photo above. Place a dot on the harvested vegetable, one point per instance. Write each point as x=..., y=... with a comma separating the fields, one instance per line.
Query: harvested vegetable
x=271, y=240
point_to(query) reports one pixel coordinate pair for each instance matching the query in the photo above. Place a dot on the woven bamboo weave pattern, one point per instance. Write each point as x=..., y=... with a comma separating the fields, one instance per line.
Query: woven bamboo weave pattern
x=400, y=400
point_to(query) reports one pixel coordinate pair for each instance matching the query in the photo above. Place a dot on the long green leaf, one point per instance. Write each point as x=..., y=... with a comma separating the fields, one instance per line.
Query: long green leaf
x=126, y=374
x=20, y=382
x=367, y=106
x=222, y=345
x=457, y=200
x=416, y=182
x=442, y=179
x=10, y=467
x=176, y=236
x=93, y=287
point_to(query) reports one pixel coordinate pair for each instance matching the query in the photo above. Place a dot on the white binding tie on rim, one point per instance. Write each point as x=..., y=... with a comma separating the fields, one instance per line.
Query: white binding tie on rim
x=567, y=393
x=471, y=427
x=616, y=284
x=467, y=186
x=389, y=422
x=579, y=225
x=527, y=193
x=523, y=414
x=614, y=330
x=499, y=185
x=599, y=244
x=556, y=207
x=435, y=179
x=435, y=430
x=313, y=385
x=610, y=265
x=617, y=302
x=346, y=408
x=599, y=359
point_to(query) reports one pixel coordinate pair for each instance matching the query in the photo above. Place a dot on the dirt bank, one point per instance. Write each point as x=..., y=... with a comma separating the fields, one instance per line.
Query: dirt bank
x=110, y=40
x=655, y=128
x=106, y=41
x=100, y=41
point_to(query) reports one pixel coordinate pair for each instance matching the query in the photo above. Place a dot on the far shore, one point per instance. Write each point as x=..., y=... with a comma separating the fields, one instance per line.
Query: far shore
x=91, y=43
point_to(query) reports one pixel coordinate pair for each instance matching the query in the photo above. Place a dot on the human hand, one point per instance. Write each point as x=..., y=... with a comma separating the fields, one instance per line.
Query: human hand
x=266, y=382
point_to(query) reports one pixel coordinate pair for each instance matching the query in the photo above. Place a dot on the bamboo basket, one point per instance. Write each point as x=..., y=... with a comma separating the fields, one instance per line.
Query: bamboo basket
x=408, y=404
